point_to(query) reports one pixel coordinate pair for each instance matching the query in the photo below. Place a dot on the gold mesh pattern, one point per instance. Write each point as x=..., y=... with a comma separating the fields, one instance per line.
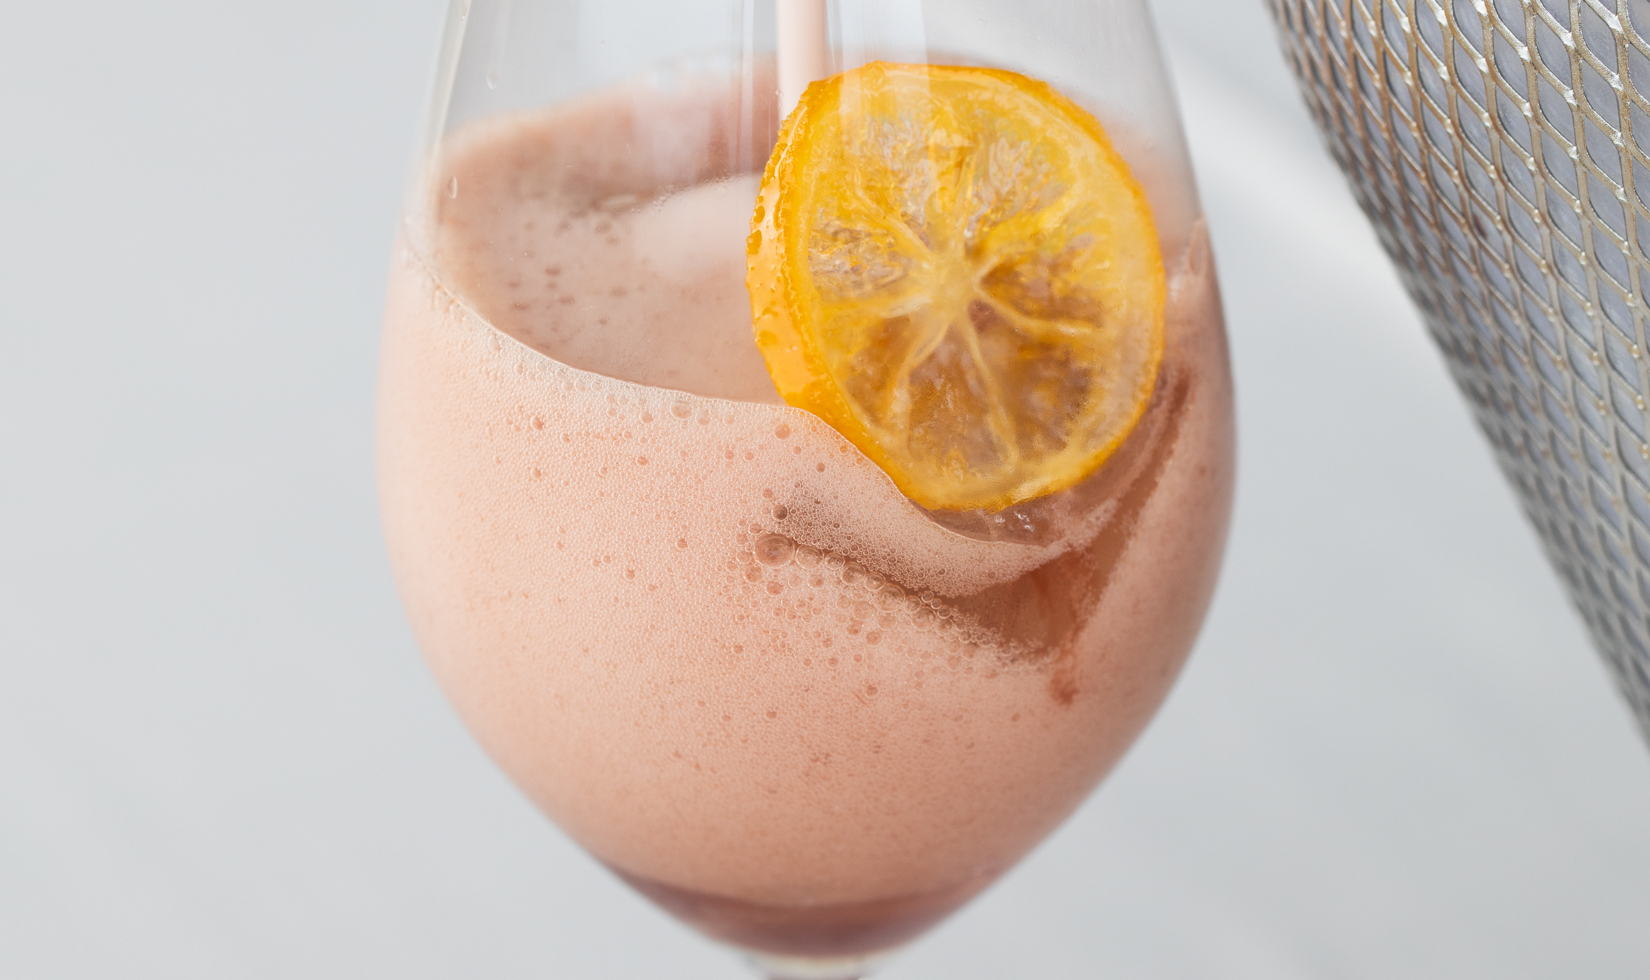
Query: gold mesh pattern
x=1502, y=151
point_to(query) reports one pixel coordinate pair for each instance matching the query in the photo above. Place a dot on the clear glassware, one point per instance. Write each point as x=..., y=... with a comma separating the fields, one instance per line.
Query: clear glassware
x=700, y=627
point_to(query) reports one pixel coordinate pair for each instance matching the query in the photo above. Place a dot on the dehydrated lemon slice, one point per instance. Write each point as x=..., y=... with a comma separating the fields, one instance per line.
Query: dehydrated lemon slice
x=955, y=269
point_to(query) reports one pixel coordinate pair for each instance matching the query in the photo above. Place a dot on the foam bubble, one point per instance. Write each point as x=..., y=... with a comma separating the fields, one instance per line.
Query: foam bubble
x=774, y=550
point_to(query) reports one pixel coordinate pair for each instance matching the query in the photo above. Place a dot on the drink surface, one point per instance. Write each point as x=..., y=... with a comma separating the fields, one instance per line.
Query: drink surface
x=703, y=633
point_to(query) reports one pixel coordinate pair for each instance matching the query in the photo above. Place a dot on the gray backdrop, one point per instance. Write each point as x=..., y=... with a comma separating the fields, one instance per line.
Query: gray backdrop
x=1393, y=754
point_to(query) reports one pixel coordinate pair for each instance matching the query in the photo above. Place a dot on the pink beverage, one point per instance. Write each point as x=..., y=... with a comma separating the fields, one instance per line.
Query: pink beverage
x=707, y=636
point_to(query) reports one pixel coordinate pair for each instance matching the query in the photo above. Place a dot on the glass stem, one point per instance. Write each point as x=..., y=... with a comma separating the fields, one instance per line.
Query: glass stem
x=805, y=968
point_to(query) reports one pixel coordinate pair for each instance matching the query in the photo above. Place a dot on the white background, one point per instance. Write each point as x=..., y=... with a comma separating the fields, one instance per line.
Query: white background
x=1394, y=754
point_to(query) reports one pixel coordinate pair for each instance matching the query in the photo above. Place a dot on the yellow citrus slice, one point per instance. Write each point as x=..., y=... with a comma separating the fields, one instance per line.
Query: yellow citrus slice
x=955, y=269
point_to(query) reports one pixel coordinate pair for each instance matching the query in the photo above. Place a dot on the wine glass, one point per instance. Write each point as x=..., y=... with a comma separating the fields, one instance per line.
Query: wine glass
x=806, y=519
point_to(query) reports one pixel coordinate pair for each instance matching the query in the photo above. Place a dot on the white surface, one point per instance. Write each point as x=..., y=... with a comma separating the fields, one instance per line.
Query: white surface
x=1393, y=754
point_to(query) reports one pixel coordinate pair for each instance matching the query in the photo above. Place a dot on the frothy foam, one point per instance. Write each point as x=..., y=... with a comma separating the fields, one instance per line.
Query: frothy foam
x=707, y=636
